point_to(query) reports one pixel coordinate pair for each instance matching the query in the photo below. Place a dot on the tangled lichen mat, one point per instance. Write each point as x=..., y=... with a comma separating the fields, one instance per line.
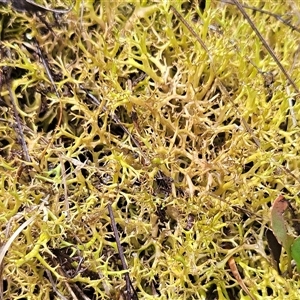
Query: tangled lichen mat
x=149, y=150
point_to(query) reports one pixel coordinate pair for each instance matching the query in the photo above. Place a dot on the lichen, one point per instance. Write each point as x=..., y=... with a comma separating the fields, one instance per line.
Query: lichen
x=189, y=147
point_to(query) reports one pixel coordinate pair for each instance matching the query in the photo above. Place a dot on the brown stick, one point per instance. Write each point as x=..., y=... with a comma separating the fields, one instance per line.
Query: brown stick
x=121, y=254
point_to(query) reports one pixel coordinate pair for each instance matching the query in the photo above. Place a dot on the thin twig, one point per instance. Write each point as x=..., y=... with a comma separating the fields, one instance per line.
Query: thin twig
x=61, y=296
x=192, y=31
x=222, y=87
x=121, y=254
x=272, y=53
x=46, y=66
x=26, y=129
x=225, y=92
x=276, y=16
x=4, y=248
x=269, y=49
x=19, y=126
x=16, y=114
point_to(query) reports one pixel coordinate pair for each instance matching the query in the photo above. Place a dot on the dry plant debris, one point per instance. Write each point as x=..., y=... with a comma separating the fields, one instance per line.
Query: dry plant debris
x=139, y=157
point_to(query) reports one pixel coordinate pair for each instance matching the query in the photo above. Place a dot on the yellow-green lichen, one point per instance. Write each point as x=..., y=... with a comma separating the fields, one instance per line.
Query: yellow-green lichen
x=187, y=145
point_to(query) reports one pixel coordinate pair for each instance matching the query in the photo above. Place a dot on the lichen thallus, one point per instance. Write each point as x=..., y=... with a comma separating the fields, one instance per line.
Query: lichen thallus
x=269, y=234
x=164, y=182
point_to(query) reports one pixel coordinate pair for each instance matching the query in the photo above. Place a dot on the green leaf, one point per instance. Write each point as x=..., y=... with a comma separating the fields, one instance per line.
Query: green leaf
x=295, y=251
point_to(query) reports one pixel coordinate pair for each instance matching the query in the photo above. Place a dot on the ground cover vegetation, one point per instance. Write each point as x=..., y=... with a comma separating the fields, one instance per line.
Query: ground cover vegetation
x=149, y=149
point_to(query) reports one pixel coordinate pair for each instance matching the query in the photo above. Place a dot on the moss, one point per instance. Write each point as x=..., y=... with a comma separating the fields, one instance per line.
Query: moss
x=165, y=146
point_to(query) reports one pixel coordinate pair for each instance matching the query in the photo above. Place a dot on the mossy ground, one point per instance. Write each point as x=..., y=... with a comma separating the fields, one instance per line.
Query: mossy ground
x=192, y=191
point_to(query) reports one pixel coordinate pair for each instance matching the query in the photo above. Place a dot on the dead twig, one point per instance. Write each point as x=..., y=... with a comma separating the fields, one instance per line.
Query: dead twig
x=46, y=66
x=129, y=285
x=224, y=90
x=265, y=44
x=61, y=296
x=276, y=16
x=20, y=132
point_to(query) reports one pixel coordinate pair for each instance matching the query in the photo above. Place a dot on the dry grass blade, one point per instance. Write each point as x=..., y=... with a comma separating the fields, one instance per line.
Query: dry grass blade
x=237, y=276
x=4, y=248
